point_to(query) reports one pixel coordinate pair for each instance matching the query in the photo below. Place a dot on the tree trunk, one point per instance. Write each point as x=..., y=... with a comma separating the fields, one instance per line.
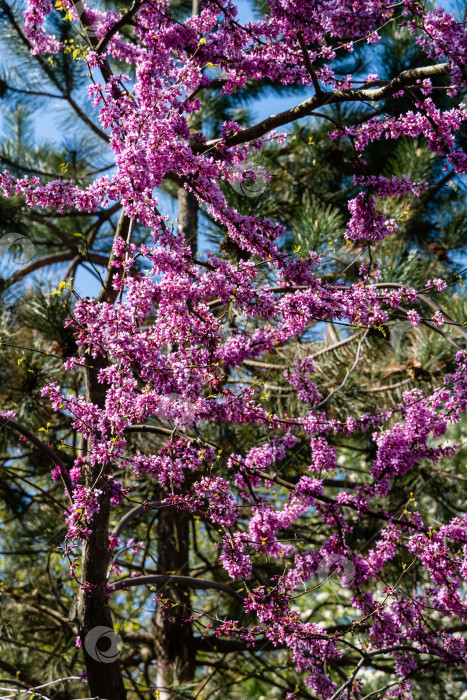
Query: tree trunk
x=101, y=654
x=174, y=638
x=99, y=645
x=176, y=657
x=187, y=202
x=188, y=218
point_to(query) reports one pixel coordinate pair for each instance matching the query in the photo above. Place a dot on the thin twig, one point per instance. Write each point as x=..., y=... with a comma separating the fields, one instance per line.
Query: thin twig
x=354, y=366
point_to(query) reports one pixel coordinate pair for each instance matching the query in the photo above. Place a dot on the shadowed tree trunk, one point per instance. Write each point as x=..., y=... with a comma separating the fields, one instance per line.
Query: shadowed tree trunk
x=104, y=672
x=176, y=656
x=187, y=202
x=174, y=639
x=92, y=611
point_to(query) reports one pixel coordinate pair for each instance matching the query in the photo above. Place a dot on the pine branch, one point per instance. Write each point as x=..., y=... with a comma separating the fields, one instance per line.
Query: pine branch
x=66, y=95
x=43, y=448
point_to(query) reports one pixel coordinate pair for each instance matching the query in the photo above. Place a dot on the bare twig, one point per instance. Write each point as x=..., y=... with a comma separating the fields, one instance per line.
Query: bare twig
x=181, y=580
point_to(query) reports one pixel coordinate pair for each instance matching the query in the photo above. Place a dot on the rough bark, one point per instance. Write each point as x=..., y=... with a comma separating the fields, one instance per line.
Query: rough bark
x=104, y=676
x=173, y=638
x=308, y=106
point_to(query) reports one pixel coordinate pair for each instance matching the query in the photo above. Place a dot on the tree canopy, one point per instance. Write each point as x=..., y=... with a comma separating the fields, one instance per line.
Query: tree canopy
x=248, y=445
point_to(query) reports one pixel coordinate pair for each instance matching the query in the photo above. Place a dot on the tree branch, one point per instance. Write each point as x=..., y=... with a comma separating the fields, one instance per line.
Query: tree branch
x=102, y=45
x=181, y=580
x=52, y=259
x=51, y=75
x=309, y=67
x=307, y=107
x=428, y=302
x=44, y=448
x=121, y=525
